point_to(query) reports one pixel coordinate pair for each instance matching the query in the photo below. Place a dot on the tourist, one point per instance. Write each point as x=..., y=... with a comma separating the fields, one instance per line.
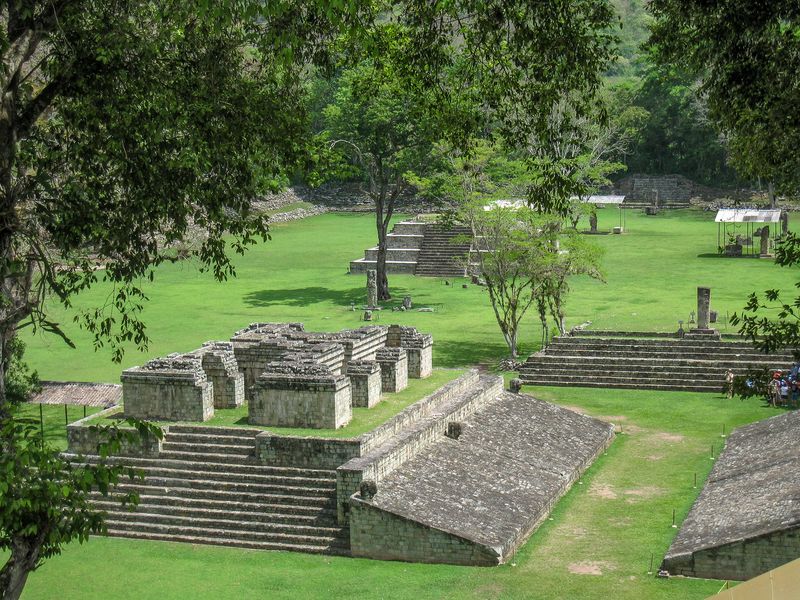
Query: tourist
x=773, y=390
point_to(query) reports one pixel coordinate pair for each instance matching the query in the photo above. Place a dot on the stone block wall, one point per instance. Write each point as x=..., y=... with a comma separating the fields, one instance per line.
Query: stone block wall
x=394, y=369
x=420, y=362
x=741, y=560
x=459, y=399
x=304, y=452
x=418, y=347
x=83, y=438
x=168, y=389
x=365, y=382
x=219, y=365
x=295, y=394
x=375, y=533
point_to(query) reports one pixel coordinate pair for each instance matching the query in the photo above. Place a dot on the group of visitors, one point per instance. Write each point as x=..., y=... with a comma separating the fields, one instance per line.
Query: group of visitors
x=784, y=388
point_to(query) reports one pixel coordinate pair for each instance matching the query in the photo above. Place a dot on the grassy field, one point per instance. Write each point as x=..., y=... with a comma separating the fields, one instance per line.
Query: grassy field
x=597, y=544
x=300, y=275
x=600, y=539
x=364, y=419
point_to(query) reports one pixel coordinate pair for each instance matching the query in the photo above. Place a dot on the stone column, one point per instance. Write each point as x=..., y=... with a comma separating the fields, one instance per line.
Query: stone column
x=765, y=240
x=372, y=288
x=394, y=369
x=365, y=382
x=784, y=222
x=703, y=307
x=593, y=222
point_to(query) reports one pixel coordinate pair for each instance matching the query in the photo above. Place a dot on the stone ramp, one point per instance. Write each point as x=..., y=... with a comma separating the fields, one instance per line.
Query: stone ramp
x=686, y=364
x=476, y=499
x=746, y=520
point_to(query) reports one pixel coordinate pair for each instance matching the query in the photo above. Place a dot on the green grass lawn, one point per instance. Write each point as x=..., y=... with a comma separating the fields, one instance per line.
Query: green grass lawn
x=300, y=275
x=54, y=418
x=597, y=544
x=364, y=419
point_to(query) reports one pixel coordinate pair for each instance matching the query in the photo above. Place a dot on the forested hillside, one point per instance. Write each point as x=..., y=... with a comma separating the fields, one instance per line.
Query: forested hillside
x=676, y=136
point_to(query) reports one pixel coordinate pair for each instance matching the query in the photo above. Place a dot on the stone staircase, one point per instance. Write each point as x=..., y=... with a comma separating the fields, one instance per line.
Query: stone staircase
x=206, y=487
x=403, y=245
x=659, y=364
x=439, y=256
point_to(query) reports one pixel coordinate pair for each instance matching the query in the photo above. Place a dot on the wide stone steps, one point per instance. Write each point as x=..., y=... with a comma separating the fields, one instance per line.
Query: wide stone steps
x=667, y=354
x=289, y=497
x=672, y=386
x=206, y=487
x=262, y=513
x=212, y=470
x=264, y=537
x=229, y=541
x=438, y=256
x=621, y=362
x=657, y=364
x=182, y=504
x=226, y=522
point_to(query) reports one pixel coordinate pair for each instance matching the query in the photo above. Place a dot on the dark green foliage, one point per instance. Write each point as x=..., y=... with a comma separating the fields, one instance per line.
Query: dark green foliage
x=678, y=136
x=747, y=53
x=44, y=498
x=21, y=383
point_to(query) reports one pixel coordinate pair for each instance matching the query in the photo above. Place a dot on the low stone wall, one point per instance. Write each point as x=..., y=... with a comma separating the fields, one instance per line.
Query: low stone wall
x=741, y=560
x=84, y=438
x=383, y=535
x=305, y=452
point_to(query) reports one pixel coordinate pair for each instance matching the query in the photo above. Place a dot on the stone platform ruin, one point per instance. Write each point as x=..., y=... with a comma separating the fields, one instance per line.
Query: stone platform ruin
x=462, y=476
x=288, y=377
x=746, y=520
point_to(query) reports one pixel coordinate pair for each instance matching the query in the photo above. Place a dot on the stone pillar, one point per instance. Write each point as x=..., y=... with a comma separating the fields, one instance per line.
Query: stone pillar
x=418, y=347
x=219, y=365
x=394, y=369
x=168, y=389
x=703, y=307
x=593, y=222
x=784, y=222
x=372, y=288
x=765, y=240
x=365, y=382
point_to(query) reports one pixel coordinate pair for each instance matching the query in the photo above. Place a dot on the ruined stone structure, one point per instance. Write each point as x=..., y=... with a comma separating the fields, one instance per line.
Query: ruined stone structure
x=289, y=377
x=746, y=520
x=462, y=476
x=419, y=248
x=645, y=361
x=394, y=369
x=365, y=382
x=172, y=389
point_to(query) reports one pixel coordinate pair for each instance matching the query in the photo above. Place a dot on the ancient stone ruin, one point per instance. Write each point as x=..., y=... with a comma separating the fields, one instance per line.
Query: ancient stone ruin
x=746, y=520
x=289, y=377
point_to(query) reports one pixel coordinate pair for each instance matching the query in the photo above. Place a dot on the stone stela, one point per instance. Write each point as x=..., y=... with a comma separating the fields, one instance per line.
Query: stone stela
x=703, y=315
x=288, y=377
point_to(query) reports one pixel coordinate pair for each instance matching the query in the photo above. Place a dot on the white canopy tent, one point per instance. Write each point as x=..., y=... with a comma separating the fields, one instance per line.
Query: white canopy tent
x=737, y=226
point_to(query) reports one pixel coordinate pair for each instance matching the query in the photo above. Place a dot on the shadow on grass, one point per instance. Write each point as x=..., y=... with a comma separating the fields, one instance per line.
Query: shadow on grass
x=718, y=255
x=305, y=296
x=314, y=295
x=464, y=353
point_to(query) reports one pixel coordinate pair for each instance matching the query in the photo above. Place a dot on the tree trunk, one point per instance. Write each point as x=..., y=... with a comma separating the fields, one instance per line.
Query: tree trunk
x=383, y=280
x=24, y=555
x=771, y=194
